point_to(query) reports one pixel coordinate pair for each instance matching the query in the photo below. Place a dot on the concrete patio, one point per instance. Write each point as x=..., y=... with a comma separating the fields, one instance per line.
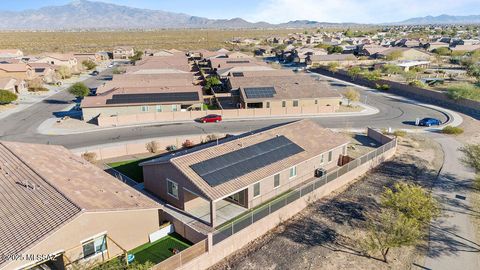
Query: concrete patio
x=225, y=211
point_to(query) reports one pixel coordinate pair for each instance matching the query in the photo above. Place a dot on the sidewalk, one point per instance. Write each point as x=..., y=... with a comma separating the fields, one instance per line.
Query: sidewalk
x=26, y=100
x=452, y=242
x=48, y=126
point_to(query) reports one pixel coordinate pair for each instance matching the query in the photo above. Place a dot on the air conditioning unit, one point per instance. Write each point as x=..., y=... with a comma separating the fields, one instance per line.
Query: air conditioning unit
x=320, y=172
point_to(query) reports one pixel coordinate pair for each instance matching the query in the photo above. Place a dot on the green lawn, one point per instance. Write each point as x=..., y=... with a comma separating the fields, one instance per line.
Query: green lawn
x=161, y=249
x=210, y=107
x=130, y=168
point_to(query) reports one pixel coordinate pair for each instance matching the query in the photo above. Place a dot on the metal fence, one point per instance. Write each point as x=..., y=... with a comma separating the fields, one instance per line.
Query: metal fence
x=262, y=211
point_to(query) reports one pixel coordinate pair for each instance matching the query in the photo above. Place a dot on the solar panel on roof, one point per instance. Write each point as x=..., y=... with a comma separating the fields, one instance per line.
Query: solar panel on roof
x=260, y=92
x=237, y=74
x=221, y=169
x=153, y=98
x=238, y=62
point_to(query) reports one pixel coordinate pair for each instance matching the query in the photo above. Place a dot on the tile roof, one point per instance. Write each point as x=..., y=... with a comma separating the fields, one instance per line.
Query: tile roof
x=147, y=80
x=30, y=206
x=286, y=87
x=333, y=57
x=21, y=67
x=307, y=134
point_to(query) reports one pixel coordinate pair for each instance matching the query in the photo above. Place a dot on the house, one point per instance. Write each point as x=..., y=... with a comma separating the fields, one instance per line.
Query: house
x=66, y=210
x=242, y=172
x=237, y=55
x=321, y=60
x=405, y=54
x=19, y=71
x=225, y=66
x=58, y=60
x=123, y=52
x=13, y=85
x=466, y=48
x=85, y=56
x=435, y=45
x=161, y=64
x=14, y=53
x=121, y=101
x=45, y=71
x=299, y=55
x=147, y=80
x=291, y=91
x=369, y=50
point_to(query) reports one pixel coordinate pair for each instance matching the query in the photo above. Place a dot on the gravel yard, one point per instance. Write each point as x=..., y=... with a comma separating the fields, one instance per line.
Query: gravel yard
x=327, y=234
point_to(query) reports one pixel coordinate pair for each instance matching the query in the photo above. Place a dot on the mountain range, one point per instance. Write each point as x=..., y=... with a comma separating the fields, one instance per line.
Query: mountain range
x=84, y=14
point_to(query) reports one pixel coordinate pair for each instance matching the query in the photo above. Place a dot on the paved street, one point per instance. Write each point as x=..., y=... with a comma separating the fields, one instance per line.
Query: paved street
x=452, y=238
x=22, y=126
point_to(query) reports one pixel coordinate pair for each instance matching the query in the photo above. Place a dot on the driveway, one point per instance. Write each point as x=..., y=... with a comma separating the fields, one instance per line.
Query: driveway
x=452, y=243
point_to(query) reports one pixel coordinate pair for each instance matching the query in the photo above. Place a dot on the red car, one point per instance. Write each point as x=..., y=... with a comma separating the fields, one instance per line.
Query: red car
x=211, y=118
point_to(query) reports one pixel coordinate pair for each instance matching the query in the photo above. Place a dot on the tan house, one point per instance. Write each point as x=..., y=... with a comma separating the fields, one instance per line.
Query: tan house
x=13, y=85
x=123, y=52
x=19, y=71
x=45, y=71
x=323, y=60
x=13, y=53
x=59, y=210
x=137, y=100
x=58, y=59
x=283, y=92
x=239, y=173
x=405, y=54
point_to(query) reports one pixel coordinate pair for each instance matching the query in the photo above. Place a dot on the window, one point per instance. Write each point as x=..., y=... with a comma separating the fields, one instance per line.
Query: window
x=144, y=108
x=174, y=108
x=172, y=188
x=322, y=159
x=94, y=246
x=256, y=189
x=158, y=108
x=276, y=180
x=284, y=104
x=316, y=101
x=330, y=155
x=295, y=103
x=293, y=171
x=267, y=104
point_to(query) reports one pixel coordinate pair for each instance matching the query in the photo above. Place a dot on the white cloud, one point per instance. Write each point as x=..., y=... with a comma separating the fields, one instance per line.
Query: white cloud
x=362, y=11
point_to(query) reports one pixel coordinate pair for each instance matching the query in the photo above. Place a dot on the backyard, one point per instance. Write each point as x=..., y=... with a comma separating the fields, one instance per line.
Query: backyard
x=130, y=168
x=328, y=234
x=161, y=249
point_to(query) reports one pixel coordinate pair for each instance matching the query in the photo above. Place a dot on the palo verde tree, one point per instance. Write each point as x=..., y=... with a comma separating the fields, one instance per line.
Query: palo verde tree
x=333, y=66
x=471, y=157
x=211, y=82
x=392, y=230
x=137, y=56
x=89, y=64
x=352, y=95
x=354, y=72
x=79, y=90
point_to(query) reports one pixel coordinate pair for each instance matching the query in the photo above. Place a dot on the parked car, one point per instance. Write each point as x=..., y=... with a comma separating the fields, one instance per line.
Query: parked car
x=94, y=73
x=428, y=122
x=210, y=118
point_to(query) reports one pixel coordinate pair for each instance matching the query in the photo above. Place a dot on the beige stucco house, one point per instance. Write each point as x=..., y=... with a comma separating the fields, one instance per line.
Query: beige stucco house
x=58, y=59
x=244, y=171
x=19, y=71
x=13, y=85
x=123, y=52
x=58, y=210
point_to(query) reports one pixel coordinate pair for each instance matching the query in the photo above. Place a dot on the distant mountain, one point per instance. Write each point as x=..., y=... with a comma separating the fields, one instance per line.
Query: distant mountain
x=83, y=14
x=441, y=19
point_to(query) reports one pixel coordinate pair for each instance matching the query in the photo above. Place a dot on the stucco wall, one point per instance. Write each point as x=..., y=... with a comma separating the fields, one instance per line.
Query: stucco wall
x=235, y=242
x=128, y=228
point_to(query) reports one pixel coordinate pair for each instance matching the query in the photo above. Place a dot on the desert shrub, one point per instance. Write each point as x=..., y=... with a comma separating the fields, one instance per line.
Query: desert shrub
x=400, y=133
x=391, y=69
x=187, y=144
x=64, y=72
x=417, y=83
x=471, y=157
x=354, y=72
x=444, y=51
x=89, y=64
x=395, y=55
x=7, y=97
x=118, y=70
x=90, y=157
x=383, y=87
x=152, y=147
x=211, y=137
x=452, y=130
x=36, y=85
x=464, y=90
x=352, y=95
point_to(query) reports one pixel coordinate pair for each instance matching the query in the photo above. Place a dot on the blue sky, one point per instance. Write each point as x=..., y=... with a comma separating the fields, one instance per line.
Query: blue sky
x=275, y=11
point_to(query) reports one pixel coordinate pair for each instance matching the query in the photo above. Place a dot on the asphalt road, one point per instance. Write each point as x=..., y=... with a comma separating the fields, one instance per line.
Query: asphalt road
x=22, y=126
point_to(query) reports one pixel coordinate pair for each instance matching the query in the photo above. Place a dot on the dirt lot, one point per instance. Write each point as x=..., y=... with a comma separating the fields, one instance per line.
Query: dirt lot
x=37, y=42
x=327, y=234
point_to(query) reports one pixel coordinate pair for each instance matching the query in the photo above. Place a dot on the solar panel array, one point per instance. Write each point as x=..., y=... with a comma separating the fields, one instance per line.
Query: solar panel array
x=260, y=92
x=224, y=168
x=153, y=98
x=238, y=62
x=237, y=74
